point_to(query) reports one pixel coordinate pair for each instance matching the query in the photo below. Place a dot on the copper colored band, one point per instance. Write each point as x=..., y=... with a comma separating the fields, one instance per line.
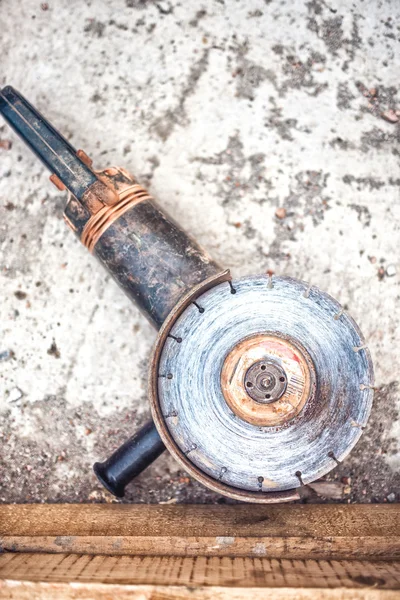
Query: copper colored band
x=100, y=221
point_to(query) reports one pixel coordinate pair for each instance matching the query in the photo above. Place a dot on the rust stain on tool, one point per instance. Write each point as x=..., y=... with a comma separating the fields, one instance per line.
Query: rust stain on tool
x=107, y=214
x=57, y=182
x=279, y=363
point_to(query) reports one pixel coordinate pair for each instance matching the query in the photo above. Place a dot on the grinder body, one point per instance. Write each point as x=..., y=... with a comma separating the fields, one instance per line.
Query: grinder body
x=150, y=257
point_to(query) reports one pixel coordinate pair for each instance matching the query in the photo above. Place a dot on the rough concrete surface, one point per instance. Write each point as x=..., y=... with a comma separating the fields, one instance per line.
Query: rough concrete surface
x=269, y=129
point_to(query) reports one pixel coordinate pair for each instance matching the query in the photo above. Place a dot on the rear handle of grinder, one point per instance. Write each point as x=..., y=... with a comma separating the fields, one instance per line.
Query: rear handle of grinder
x=130, y=459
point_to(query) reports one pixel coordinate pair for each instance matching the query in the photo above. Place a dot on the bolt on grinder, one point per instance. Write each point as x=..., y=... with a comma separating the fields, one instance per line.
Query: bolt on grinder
x=257, y=385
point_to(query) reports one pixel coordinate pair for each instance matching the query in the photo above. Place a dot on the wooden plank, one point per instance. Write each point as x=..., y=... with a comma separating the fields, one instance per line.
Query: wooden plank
x=225, y=572
x=297, y=520
x=296, y=547
x=292, y=532
x=212, y=551
x=83, y=591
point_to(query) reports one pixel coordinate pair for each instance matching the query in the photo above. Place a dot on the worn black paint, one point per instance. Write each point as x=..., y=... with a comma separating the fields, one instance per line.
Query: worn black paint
x=56, y=153
x=153, y=260
x=77, y=215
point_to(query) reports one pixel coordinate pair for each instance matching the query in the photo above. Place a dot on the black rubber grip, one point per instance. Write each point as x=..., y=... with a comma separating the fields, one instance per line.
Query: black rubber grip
x=133, y=457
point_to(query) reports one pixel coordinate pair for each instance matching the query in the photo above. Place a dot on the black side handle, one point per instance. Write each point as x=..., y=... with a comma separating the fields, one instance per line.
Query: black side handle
x=130, y=459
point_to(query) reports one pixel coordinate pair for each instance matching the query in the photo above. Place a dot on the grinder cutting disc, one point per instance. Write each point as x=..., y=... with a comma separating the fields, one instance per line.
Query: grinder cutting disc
x=263, y=385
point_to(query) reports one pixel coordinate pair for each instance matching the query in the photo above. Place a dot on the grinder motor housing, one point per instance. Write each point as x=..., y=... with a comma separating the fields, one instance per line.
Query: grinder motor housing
x=256, y=386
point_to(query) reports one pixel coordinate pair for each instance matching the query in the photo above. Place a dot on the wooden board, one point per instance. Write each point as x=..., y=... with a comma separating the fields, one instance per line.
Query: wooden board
x=96, y=591
x=293, y=532
x=199, y=552
x=200, y=571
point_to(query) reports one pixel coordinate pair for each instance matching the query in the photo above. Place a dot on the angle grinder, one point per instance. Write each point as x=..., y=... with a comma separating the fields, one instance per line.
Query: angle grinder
x=257, y=385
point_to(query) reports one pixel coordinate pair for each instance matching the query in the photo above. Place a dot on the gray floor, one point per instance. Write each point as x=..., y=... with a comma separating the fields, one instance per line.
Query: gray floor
x=226, y=111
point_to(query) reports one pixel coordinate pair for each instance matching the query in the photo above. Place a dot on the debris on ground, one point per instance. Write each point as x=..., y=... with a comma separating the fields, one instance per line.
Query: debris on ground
x=15, y=394
x=20, y=295
x=53, y=350
x=102, y=496
x=6, y=144
x=390, y=116
x=390, y=270
x=280, y=213
x=328, y=489
x=6, y=355
x=170, y=501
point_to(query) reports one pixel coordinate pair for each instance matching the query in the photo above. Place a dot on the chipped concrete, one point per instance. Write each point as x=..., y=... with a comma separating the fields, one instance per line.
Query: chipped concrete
x=226, y=111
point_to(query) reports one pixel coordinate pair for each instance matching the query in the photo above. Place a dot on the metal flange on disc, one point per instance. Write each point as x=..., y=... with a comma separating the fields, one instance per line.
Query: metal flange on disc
x=263, y=384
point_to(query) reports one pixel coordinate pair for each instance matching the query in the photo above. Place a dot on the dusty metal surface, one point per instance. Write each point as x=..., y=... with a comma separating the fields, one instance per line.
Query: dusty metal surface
x=241, y=454
x=152, y=259
x=259, y=127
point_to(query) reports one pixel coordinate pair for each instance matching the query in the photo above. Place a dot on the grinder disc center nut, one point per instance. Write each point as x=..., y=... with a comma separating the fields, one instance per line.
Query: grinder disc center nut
x=265, y=381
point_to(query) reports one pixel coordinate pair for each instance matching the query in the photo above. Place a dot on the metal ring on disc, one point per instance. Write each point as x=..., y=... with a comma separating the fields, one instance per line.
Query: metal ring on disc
x=213, y=437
